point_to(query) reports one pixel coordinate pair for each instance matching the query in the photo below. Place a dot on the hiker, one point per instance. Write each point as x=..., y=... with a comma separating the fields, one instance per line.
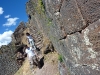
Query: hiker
x=30, y=40
x=32, y=56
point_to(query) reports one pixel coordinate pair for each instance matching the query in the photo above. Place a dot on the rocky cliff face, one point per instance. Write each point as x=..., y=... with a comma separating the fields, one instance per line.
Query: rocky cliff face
x=18, y=33
x=8, y=64
x=73, y=26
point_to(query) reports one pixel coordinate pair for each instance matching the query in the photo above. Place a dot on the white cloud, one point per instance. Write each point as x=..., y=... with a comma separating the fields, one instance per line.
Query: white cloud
x=5, y=38
x=7, y=16
x=1, y=10
x=11, y=21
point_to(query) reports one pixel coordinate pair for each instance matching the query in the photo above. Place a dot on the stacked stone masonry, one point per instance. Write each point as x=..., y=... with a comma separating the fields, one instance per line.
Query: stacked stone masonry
x=8, y=65
x=73, y=26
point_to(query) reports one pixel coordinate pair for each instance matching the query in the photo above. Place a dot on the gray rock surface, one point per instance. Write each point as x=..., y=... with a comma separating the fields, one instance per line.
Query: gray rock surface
x=18, y=33
x=73, y=26
x=8, y=65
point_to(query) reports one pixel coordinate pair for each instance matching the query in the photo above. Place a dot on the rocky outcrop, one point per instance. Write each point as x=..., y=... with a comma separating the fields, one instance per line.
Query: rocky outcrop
x=8, y=65
x=73, y=26
x=18, y=33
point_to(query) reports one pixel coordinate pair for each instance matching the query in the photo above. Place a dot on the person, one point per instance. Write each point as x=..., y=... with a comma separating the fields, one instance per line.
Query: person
x=32, y=56
x=30, y=40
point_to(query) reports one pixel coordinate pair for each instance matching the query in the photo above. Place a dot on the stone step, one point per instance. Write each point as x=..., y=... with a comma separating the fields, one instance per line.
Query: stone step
x=38, y=43
x=37, y=37
x=38, y=40
x=40, y=46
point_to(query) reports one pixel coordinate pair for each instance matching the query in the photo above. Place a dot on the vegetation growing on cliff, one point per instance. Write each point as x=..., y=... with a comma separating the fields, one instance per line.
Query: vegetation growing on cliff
x=60, y=58
x=40, y=7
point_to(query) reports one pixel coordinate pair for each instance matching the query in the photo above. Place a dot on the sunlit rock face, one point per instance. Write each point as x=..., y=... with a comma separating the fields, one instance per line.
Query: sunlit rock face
x=8, y=64
x=18, y=33
x=73, y=26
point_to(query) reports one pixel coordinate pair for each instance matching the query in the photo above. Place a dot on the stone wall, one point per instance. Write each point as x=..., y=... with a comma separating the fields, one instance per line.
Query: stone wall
x=8, y=65
x=73, y=26
x=18, y=33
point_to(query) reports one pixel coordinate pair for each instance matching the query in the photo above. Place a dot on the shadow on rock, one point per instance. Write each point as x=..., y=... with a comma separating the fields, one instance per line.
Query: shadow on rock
x=41, y=63
x=37, y=49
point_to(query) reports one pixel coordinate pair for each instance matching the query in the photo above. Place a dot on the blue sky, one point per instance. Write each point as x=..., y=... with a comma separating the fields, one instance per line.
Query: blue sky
x=12, y=12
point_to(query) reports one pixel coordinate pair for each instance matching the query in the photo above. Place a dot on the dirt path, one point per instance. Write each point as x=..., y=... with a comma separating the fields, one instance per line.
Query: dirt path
x=50, y=66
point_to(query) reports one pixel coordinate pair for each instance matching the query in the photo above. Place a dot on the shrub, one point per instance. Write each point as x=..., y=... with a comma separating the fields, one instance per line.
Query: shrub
x=40, y=7
x=60, y=58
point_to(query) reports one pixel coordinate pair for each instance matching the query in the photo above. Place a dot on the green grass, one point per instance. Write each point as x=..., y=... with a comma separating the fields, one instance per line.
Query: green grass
x=60, y=58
